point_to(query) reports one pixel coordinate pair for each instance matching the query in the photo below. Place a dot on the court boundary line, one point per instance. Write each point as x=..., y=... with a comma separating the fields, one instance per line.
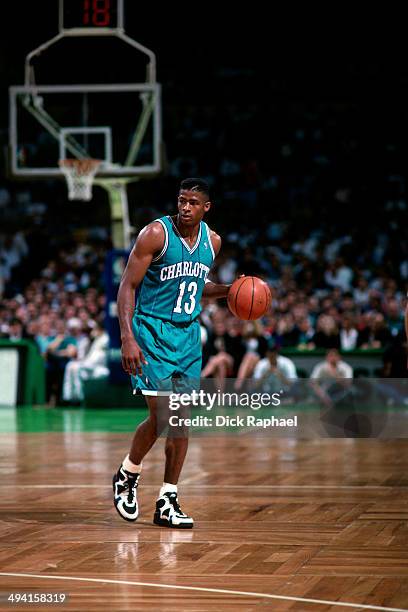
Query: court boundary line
x=205, y=590
x=206, y=486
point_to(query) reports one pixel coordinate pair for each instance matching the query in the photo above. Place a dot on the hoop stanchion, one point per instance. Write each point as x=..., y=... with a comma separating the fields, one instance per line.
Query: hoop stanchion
x=79, y=174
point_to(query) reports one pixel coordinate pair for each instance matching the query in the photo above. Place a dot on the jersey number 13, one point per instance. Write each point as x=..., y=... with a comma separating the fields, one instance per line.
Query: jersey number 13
x=188, y=305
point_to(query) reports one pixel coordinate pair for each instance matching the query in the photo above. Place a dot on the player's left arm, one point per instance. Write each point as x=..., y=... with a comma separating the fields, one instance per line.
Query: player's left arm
x=215, y=290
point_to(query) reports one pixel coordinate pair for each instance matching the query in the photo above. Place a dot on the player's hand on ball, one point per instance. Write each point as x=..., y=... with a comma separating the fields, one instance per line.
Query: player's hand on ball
x=132, y=357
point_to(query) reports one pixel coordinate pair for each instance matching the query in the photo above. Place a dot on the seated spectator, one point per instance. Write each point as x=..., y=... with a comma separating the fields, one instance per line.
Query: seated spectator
x=361, y=293
x=16, y=330
x=339, y=275
x=287, y=331
x=76, y=331
x=395, y=318
x=270, y=323
x=274, y=371
x=256, y=346
x=347, y=303
x=44, y=337
x=93, y=365
x=331, y=379
x=59, y=352
x=348, y=334
x=305, y=335
x=313, y=306
x=225, y=352
x=327, y=334
x=376, y=335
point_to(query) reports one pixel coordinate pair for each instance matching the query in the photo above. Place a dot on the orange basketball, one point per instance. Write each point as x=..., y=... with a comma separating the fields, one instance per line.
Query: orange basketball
x=249, y=298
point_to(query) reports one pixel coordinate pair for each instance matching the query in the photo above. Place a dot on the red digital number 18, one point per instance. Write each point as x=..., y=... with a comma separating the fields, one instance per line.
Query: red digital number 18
x=97, y=13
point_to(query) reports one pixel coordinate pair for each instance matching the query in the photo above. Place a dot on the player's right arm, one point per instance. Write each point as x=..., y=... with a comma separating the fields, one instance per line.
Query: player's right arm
x=149, y=242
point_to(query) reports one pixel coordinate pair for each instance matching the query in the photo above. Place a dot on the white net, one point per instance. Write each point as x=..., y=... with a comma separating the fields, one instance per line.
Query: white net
x=79, y=174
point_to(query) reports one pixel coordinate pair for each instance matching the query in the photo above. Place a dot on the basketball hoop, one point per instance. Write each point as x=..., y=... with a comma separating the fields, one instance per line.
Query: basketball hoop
x=79, y=174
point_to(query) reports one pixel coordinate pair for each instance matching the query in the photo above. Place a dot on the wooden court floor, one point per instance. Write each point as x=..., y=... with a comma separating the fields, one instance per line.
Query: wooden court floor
x=280, y=525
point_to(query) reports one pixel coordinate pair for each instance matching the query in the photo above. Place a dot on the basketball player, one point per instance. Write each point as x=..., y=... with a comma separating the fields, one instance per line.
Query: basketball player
x=169, y=264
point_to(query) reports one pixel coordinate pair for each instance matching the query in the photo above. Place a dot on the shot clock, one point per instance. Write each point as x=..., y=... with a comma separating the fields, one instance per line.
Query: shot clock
x=91, y=15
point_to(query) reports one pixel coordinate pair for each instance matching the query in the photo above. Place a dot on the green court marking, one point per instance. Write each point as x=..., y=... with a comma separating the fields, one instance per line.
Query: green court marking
x=26, y=419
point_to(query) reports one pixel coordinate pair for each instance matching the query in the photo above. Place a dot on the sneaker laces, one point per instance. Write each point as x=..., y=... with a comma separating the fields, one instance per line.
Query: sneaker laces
x=174, y=502
x=132, y=484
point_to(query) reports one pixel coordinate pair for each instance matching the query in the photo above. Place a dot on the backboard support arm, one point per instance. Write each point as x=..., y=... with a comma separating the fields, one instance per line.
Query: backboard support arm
x=29, y=73
x=29, y=76
x=121, y=230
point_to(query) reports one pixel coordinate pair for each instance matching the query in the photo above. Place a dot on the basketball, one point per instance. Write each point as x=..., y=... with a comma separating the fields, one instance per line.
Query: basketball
x=249, y=298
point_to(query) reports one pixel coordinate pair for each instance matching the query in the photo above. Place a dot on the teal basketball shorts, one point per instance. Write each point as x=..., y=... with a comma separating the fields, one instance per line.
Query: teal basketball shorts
x=173, y=355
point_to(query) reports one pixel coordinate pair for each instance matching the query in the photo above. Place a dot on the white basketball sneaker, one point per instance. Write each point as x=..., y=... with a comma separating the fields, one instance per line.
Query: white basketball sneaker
x=124, y=494
x=168, y=513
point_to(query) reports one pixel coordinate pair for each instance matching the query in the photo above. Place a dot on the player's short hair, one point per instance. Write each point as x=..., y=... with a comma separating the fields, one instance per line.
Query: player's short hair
x=196, y=184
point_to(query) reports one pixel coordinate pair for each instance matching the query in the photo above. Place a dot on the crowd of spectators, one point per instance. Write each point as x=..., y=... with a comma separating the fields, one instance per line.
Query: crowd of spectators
x=328, y=293
x=61, y=311
x=305, y=198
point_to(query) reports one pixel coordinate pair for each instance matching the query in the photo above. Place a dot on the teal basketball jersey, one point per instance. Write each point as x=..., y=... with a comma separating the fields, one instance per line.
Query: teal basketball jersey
x=172, y=287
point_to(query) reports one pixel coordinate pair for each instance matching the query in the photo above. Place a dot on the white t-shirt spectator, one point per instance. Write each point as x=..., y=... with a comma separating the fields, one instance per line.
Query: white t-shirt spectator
x=342, y=278
x=348, y=339
x=323, y=371
x=361, y=296
x=285, y=366
x=97, y=353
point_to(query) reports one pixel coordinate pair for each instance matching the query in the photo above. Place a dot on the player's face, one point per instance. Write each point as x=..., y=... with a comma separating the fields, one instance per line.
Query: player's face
x=192, y=206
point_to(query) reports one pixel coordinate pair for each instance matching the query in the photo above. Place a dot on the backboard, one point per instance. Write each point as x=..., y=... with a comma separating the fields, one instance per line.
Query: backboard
x=119, y=124
x=116, y=122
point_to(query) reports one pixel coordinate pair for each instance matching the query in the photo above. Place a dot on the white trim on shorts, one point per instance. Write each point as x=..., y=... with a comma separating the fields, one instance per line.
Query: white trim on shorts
x=153, y=393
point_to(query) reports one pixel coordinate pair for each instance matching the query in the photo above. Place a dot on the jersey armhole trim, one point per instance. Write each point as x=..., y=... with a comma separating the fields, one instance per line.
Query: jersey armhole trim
x=166, y=241
x=209, y=240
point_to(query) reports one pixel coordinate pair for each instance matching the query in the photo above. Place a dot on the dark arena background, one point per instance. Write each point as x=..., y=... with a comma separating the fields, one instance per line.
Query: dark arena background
x=301, y=133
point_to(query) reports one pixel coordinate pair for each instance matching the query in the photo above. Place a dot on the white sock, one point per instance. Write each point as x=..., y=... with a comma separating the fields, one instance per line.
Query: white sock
x=168, y=488
x=131, y=467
